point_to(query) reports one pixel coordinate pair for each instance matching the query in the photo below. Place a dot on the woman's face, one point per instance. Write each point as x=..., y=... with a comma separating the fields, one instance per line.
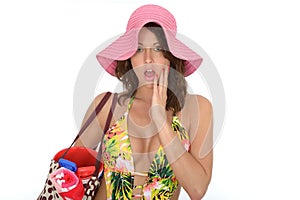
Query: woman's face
x=148, y=61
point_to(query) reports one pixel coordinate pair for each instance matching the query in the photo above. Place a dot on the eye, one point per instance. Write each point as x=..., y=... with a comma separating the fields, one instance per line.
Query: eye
x=139, y=49
x=157, y=49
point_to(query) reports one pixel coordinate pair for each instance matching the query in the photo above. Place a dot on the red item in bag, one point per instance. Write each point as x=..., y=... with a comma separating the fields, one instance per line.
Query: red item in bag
x=67, y=184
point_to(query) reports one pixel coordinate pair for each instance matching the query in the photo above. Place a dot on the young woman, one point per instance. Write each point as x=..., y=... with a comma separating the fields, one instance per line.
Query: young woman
x=160, y=138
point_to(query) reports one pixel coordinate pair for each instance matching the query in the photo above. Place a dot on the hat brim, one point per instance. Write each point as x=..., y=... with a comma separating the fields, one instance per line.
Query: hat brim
x=126, y=45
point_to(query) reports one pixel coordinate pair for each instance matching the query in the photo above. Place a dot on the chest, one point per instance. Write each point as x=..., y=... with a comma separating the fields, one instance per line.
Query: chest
x=128, y=148
x=142, y=132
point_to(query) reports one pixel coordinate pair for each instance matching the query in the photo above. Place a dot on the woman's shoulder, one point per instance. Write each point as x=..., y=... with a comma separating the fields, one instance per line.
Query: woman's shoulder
x=119, y=108
x=195, y=107
x=196, y=99
x=100, y=96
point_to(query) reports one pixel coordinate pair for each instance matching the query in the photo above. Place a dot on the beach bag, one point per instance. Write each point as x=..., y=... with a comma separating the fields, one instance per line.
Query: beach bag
x=75, y=172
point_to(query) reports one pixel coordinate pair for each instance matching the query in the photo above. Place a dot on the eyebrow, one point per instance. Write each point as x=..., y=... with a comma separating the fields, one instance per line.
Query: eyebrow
x=155, y=43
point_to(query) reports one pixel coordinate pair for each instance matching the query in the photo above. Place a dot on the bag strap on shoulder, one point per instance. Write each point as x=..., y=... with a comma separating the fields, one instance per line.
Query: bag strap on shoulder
x=91, y=118
x=109, y=117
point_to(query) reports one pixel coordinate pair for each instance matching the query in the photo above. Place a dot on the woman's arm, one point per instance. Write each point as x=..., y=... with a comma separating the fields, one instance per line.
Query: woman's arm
x=193, y=169
x=93, y=134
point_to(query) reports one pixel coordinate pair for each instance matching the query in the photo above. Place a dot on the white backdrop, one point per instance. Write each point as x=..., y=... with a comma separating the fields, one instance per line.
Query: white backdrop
x=254, y=45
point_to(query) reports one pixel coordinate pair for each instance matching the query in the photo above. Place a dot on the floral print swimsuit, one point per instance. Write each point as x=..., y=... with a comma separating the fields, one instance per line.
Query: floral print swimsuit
x=119, y=171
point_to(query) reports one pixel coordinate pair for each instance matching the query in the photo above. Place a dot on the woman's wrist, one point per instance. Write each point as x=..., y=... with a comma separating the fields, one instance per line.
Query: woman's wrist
x=174, y=149
x=172, y=145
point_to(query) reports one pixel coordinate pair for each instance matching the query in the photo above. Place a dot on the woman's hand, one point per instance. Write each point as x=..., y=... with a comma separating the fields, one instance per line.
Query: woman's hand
x=159, y=98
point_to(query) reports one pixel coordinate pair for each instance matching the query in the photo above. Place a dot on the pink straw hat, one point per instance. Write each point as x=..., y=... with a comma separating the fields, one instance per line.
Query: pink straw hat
x=126, y=45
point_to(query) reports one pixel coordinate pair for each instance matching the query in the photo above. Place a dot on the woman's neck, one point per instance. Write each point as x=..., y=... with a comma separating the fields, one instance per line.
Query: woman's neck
x=145, y=94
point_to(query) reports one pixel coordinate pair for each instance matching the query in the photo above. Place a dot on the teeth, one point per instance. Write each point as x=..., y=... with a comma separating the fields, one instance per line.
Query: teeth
x=149, y=70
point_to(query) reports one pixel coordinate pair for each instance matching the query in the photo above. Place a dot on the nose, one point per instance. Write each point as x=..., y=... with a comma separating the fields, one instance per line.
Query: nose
x=148, y=56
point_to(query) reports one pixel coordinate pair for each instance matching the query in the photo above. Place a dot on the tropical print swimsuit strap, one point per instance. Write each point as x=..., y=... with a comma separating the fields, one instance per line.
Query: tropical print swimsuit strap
x=130, y=103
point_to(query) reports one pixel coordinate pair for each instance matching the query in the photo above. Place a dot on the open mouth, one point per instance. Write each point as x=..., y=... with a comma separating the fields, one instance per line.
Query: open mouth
x=149, y=74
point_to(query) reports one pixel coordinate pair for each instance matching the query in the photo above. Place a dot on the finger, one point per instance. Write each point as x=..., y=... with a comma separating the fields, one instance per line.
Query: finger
x=166, y=78
x=155, y=84
x=161, y=81
x=164, y=81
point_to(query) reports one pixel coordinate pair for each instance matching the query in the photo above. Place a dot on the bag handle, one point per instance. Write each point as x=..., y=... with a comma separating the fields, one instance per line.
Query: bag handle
x=93, y=115
x=90, y=119
x=109, y=117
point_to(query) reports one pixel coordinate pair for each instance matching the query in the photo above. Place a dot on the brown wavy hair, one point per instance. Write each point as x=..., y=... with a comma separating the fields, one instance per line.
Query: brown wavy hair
x=177, y=86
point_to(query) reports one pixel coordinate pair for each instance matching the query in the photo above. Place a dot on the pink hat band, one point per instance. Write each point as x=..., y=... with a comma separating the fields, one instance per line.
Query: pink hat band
x=126, y=45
